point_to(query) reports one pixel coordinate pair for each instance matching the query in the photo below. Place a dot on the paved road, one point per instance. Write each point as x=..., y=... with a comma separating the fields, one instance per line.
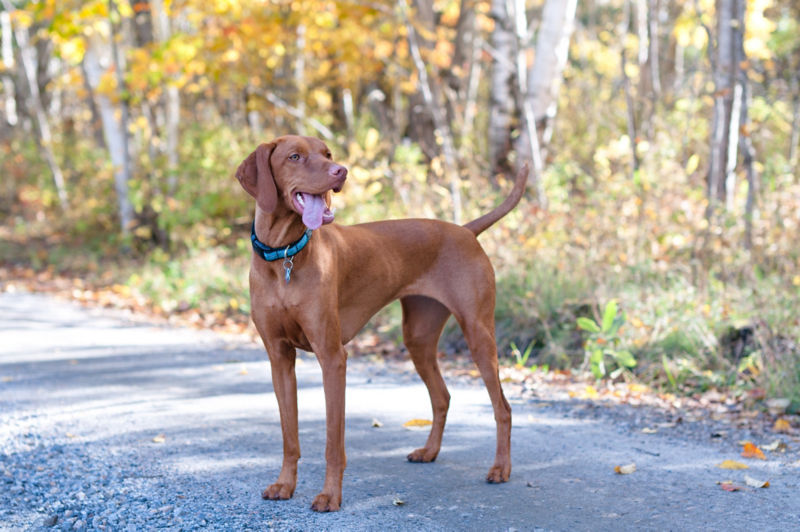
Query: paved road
x=109, y=423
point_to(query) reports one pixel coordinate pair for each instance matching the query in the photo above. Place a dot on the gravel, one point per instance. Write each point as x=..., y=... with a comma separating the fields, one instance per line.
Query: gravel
x=111, y=424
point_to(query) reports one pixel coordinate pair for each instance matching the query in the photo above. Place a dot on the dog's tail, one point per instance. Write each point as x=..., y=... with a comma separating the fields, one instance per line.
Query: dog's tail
x=479, y=225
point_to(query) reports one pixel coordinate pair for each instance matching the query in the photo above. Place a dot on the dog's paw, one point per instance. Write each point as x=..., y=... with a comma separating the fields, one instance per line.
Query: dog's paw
x=278, y=492
x=326, y=503
x=422, y=455
x=499, y=474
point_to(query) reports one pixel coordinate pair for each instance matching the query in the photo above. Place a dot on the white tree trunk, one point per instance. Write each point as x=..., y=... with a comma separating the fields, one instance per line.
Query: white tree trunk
x=161, y=31
x=725, y=72
x=552, y=49
x=28, y=58
x=8, y=61
x=501, y=100
x=94, y=66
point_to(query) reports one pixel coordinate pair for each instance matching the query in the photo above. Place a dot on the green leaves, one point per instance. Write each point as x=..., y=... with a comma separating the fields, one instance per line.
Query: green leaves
x=589, y=325
x=604, y=354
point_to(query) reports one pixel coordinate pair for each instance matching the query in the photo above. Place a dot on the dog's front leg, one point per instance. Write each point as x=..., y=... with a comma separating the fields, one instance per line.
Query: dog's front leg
x=333, y=362
x=284, y=382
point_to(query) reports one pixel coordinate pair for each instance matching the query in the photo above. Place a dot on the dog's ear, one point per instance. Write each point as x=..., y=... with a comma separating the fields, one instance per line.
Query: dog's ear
x=255, y=176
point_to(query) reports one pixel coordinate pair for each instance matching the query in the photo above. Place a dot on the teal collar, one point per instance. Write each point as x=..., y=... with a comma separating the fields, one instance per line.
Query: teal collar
x=272, y=254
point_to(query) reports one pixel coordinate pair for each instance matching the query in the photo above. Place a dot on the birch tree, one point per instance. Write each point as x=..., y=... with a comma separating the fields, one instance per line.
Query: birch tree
x=501, y=101
x=727, y=102
x=544, y=79
x=44, y=138
x=96, y=61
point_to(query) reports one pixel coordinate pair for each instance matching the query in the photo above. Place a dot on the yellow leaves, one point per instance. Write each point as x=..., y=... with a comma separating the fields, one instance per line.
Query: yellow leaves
x=589, y=392
x=732, y=464
x=782, y=425
x=417, y=424
x=758, y=30
x=750, y=450
x=159, y=439
x=232, y=55
x=108, y=85
x=383, y=49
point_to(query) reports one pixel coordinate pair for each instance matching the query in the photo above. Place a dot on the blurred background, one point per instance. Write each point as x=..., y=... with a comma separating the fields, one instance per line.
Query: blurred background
x=658, y=239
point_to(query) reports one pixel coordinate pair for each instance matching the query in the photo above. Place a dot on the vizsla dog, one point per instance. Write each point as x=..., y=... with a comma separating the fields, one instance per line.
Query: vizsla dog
x=315, y=292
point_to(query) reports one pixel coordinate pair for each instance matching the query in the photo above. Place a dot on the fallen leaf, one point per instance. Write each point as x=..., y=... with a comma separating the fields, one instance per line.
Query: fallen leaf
x=377, y=424
x=591, y=392
x=778, y=406
x=159, y=439
x=728, y=485
x=732, y=464
x=755, y=483
x=777, y=445
x=243, y=371
x=649, y=430
x=7, y=379
x=782, y=425
x=626, y=469
x=752, y=451
x=417, y=424
x=398, y=501
x=70, y=435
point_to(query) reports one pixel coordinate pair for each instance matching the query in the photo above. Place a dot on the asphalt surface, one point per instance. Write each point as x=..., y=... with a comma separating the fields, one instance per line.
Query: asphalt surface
x=113, y=423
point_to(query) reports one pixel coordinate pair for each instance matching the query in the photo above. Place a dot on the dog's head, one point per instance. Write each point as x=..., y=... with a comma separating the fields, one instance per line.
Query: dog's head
x=297, y=172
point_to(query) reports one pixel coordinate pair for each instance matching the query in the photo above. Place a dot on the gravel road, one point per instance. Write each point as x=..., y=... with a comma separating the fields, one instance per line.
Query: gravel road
x=113, y=423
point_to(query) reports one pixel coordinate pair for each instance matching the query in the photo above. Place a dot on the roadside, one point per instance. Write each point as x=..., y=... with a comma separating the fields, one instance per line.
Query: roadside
x=111, y=422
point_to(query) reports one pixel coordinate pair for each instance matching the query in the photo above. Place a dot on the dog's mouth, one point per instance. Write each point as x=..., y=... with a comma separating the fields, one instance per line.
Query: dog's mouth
x=313, y=209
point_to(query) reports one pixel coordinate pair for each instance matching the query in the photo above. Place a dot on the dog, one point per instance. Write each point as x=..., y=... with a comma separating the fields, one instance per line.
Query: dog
x=315, y=291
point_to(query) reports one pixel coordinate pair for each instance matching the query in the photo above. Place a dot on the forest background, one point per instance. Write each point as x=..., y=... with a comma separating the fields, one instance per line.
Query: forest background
x=659, y=237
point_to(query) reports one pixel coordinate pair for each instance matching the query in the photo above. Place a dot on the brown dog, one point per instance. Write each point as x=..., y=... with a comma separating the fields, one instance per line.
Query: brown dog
x=316, y=292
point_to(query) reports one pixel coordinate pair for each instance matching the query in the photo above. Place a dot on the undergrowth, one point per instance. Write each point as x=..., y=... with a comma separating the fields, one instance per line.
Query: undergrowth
x=700, y=310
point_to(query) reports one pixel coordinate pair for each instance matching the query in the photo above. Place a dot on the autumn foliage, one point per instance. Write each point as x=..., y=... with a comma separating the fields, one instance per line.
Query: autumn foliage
x=707, y=289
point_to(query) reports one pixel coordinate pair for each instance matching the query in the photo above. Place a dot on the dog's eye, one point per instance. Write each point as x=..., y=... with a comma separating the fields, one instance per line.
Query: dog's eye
x=294, y=157
x=328, y=155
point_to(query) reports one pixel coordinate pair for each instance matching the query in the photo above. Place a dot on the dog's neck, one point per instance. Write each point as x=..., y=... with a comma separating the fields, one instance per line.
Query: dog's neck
x=280, y=228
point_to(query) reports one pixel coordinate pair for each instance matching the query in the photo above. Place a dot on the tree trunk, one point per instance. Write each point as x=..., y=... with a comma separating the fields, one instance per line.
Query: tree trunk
x=300, y=77
x=421, y=122
x=115, y=135
x=529, y=134
x=161, y=32
x=10, y=101
x=744, y=140
x=436, y=110
x=501, y=100
x=45, y=138
x=794, y=139
x=721, y=178
x=552, y=50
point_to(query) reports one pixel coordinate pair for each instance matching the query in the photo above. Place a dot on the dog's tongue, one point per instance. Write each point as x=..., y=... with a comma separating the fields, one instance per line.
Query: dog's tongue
x=313, y=209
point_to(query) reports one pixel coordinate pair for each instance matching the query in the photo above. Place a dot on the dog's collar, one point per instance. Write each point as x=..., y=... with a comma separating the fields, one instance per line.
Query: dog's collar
x=272, y=254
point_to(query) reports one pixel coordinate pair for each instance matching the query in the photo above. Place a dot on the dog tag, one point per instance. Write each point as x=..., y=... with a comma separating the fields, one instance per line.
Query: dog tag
x=287, y=267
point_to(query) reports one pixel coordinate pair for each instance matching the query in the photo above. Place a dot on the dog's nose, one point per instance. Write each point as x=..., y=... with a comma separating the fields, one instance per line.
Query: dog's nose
x=339, y=173
x=338, y=170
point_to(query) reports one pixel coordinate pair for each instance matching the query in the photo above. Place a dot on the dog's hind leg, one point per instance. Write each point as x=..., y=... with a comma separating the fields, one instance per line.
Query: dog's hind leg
x=423, y=321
